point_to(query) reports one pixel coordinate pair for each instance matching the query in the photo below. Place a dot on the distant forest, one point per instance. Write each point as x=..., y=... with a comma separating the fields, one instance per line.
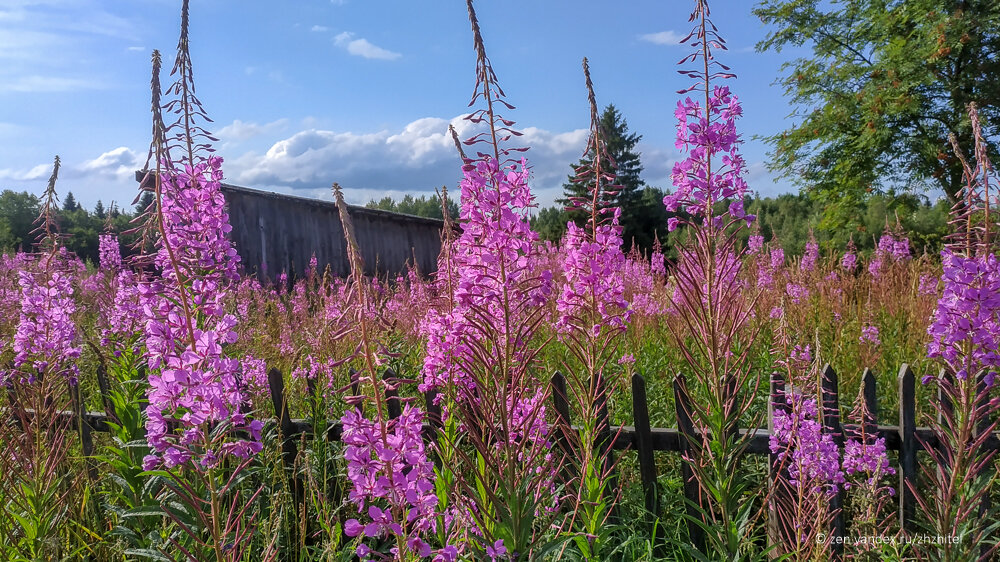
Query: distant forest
x=790, y=217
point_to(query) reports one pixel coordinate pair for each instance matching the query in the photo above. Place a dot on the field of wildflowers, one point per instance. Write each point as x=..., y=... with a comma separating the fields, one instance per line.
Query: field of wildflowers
x=431, y=433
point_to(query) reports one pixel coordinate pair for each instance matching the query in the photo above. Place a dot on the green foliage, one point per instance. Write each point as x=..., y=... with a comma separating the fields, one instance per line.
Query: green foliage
x=550, y=223
x=790, y=218
x=885, y=84
x=18, y=211
x=79, y=227
x=422, y=206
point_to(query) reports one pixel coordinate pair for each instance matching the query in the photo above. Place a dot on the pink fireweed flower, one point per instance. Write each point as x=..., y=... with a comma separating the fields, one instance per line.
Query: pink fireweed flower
x=706, y=137
x=657, y=265
x=755, y=243
x=109, y=253
x=901, y=249
x=797, y=293
x=46, y=334
x=594, y=291
x=801, y=358
x=965, y=327
x=120, y=313
x=869, y=333
x=869, y=459
x=389, y=473
x=928, y=285
x=849, y=261
x=777, y=258
x=798, y=437
x=497, y=551
x=810, y=256
x=495, y=237
x=186, y=325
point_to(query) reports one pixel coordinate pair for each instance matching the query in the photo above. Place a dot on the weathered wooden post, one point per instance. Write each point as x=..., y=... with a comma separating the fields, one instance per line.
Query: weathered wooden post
x=907, y=447
x=831, y=425
x=692, y=491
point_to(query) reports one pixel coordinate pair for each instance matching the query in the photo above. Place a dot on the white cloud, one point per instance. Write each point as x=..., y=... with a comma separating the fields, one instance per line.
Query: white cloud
x=363, y=48
x=319, y=28
x=667, y=37
x=239, y=131
x=38, y=172
x=419, y=157
x=120, y=163
x=137, y=48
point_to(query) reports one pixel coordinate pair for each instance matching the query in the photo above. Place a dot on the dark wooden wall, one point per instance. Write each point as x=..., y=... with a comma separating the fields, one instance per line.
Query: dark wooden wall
x=275, y=233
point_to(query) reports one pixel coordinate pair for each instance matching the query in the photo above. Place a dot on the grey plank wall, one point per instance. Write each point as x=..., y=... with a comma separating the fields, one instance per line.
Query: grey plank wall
x=275, y=232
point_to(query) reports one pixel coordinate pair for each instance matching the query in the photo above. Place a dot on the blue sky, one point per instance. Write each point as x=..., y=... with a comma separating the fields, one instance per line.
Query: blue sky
x=308, y=92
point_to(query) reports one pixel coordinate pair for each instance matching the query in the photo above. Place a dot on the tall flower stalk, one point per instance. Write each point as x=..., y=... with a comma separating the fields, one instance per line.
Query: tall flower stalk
x=391, y=477
x=592, y=316
x=35, y=487
x=711, y=300
x=481, y=355
x=194, y=397
x=965, y=332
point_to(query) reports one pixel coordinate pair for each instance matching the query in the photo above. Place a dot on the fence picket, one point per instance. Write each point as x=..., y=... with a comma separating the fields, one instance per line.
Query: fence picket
x=563, y=427
x=692, y=491
x=777, y=403
x=105, y=390
x=392, y=404
x=644, y=443
x=907, y=447
x=83, y=425
x=831, y=424
x=289, y=449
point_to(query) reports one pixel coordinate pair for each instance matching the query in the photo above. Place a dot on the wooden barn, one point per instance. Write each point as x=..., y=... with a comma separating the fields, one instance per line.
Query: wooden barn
x=276, y=233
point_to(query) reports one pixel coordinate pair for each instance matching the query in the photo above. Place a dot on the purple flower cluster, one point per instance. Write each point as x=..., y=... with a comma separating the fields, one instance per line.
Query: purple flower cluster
x=797, y=293
x=390, y=476
x=593, y=295
x=965, y=326
x=492, y=261
x=928, y=285
x=46, y=333
x=186, y=325
x=868, y=459
x=109, y=253
x=755, y=243
x=889, y=247
x=850, y=260
x=706, y=133
x=798, y=437
x=869, y=333
x=777, y=258
x=810, y=256
x=896, y=247
x=121, y=315
x=657, y=265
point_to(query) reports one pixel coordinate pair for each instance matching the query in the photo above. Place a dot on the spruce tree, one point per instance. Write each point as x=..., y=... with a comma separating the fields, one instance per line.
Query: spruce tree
x=69, y=203
x=639, y=216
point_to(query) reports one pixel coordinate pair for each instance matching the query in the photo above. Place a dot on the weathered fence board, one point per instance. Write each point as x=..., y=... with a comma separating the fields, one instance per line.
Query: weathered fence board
x=275, y=233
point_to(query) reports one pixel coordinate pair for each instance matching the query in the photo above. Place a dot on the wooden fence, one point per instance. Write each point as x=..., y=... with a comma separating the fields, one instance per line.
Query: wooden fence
x=905, y=438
